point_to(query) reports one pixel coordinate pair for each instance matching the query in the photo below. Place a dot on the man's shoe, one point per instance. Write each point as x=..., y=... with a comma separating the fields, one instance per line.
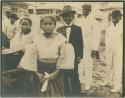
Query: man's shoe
x=114, y=90
x=104, y=84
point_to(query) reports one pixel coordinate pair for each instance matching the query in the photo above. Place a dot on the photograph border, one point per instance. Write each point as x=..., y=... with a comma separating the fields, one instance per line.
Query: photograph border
x=70, y=1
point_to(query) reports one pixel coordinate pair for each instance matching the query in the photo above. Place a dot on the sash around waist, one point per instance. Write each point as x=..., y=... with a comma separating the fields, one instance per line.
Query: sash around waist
x=47, y=60
x=46, y=67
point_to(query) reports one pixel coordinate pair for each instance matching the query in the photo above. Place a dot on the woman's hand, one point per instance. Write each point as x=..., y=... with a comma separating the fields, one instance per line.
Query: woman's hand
x=40, y=76
x=52, y=75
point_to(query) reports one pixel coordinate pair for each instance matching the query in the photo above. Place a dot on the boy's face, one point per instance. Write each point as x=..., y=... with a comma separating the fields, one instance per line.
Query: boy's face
x=48, y=25
x=115, y=19
x=68, y=18
x=86, y=11
x=25, y=26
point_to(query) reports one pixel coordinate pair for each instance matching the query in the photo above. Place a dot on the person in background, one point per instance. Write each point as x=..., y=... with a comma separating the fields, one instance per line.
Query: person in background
x=24, y=37
x=114, y=51
x=41, y=57
x=5, y=43
x=73, y=34
x=6, y=17
x=90, y=46
x=9, y=27
x=86, y=23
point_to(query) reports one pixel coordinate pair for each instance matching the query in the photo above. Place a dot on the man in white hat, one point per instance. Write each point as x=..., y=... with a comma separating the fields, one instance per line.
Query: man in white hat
x=91, y=44
x=114, y=51
x=8, y=25
x=5, y=40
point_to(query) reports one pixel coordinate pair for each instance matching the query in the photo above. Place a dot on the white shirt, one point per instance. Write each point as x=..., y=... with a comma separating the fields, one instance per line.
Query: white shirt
x=97, y=29
x=4, y=24
x=68, y=30
x=114, y=35
x=86, y=23
x=9, y=29
x=48, y=48
x=91, y=31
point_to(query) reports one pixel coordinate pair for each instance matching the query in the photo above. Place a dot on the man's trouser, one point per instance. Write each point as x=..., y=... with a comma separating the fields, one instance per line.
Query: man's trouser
x=114, y=65
x=71, y=83
x=85, y=70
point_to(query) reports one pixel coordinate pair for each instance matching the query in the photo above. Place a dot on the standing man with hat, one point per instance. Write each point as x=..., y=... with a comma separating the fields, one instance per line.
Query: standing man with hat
x=90, y=47
x=4, y=39
x=9, y=27
x=114, y=51
x=73, y=34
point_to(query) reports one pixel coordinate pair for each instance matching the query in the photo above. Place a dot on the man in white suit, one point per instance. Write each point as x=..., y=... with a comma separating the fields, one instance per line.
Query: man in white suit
x=114, y=45
x=90, y=45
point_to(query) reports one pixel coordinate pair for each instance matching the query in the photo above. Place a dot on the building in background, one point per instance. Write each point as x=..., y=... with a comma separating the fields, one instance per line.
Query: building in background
x=43, y=8
x=18, y=8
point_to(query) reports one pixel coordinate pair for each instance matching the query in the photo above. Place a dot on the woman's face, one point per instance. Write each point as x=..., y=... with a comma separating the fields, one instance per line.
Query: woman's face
x=25, y=26
x=48, y=25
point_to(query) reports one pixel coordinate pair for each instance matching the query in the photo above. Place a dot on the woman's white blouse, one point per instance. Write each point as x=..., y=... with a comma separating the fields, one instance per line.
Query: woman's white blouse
x=48, y=48
x=44, y=49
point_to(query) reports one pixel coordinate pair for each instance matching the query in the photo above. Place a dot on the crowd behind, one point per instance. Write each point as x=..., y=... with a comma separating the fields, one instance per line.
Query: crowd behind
x=60, y=57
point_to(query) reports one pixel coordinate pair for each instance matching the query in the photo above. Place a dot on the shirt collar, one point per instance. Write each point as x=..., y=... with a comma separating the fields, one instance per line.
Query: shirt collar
x=69, y=24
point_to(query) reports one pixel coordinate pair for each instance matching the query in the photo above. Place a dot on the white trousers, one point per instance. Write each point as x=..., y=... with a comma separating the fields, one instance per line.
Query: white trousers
x=114, y=65
x=85, y=69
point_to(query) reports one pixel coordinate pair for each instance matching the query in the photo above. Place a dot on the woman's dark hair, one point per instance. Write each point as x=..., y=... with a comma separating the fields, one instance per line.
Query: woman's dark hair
x=46, y=17
x=30, y=21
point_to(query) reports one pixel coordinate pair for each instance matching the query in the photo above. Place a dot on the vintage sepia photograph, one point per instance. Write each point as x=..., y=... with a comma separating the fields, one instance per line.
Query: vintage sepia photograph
x=62, y=49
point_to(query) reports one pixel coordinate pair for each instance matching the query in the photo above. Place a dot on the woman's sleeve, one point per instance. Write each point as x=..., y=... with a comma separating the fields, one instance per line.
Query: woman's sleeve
x=29, y=60
x=66, y=56
x=61, y=46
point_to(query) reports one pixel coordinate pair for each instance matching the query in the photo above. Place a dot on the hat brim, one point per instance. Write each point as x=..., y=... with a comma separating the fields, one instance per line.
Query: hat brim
x=65, y=13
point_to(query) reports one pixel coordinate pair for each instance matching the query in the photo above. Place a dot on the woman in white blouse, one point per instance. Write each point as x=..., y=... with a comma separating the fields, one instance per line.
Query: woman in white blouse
x=22, y=38
x=41, y=57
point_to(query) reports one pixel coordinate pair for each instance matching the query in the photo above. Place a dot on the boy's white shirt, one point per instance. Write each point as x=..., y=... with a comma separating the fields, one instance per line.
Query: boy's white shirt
x=68, y=30
x=114, y=34
x=8, y=29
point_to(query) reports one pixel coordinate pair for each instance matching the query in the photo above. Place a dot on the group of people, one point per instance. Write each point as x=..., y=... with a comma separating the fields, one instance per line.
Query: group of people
x=42, y=51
